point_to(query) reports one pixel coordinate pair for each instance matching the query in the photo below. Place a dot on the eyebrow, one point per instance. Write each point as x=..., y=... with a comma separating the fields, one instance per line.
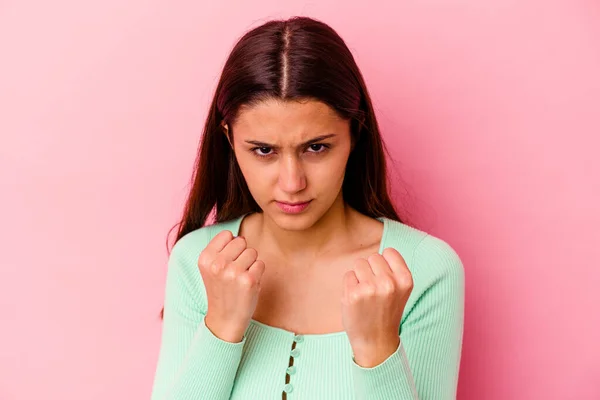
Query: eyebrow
x=311, y=141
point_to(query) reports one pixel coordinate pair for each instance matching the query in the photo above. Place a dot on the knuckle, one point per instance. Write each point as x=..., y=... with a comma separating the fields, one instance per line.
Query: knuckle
x=406, y=281
x=204, y=260
x=390, y=250
x=369, y=290
x=260, y=268
x=226, y=234
x=229, y=274
x=363, y=268
x=252, y=253
x=245, y=280
x=218, y=264
x=373, y=258
x=260, y=264
x=354, y=297
x=387, y=287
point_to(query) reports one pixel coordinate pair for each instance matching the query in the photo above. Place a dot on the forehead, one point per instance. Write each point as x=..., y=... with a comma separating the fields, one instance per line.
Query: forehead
x=288, y=120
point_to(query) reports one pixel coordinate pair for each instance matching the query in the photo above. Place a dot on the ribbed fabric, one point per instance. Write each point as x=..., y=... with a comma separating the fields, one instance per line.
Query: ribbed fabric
x=195, y=364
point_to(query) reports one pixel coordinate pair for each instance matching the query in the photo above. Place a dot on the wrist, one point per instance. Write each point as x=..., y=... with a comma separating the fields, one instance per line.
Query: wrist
x=373, y=354
x=224, y=331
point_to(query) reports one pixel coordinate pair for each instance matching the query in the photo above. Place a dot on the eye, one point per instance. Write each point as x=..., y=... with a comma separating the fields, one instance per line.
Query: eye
x=262, y=151
x=318, y=148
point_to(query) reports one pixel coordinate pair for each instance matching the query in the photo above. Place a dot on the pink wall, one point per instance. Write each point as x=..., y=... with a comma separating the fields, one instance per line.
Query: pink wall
x=491, y=109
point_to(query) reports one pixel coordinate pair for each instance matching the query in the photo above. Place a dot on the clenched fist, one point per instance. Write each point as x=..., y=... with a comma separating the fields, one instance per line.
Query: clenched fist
x=231, y=273
x=375, y=293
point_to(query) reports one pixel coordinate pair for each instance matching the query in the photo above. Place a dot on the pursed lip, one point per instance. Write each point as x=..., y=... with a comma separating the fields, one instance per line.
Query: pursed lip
x=293, y=204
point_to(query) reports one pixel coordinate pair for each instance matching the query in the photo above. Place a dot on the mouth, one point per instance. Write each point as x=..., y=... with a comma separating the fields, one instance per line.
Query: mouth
x=293, y=204
x=292, y=208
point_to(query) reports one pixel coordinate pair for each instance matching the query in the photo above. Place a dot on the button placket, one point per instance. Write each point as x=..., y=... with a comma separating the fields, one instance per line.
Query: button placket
x=291, y=369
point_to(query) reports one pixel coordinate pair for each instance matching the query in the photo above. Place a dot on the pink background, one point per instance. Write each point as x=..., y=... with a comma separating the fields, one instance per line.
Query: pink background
x=491, y=110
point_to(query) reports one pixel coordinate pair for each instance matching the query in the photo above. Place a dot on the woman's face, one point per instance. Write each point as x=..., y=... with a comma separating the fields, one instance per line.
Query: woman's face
x=291, y=152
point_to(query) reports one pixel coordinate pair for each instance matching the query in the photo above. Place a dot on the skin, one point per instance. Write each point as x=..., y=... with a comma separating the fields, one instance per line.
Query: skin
x=329, y=242
x=293, y=172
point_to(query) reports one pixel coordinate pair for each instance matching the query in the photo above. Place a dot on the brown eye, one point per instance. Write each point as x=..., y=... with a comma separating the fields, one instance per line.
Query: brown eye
x=318, y=148
x=262, y=151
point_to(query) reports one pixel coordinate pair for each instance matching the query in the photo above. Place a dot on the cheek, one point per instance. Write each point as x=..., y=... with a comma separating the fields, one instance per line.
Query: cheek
x=337, y=165
x=246, y=166
x=328, y=175
x=255, y=176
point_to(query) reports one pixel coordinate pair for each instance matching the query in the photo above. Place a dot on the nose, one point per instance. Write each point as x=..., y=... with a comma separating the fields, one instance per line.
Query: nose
x=292, y=178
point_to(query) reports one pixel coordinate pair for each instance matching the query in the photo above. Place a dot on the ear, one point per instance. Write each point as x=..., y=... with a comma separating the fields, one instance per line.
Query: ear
x=225, y=129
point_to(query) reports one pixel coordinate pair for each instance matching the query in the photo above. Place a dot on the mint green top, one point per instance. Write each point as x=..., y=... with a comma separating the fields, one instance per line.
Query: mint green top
x=195, y=364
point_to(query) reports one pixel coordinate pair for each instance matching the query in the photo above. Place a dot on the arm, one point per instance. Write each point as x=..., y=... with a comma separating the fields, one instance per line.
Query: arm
x=426, y=363
x=193, y=362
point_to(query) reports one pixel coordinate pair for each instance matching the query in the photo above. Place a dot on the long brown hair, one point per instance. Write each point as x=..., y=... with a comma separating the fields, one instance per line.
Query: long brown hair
x=293, y=59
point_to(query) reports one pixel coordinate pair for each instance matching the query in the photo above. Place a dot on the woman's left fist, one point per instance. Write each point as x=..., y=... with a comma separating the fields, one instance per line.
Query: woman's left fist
x=375, y=293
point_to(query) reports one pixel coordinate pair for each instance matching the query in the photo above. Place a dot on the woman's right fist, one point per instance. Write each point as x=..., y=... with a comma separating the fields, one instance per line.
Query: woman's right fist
x=231, y=274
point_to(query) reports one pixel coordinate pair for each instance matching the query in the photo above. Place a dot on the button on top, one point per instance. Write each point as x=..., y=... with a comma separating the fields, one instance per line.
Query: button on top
x=291, y=370
x=298, y=338
x=295, y=353
x=288, y=388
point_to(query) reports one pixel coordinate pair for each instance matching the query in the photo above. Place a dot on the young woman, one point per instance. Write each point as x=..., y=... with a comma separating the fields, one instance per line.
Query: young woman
x=308, y=285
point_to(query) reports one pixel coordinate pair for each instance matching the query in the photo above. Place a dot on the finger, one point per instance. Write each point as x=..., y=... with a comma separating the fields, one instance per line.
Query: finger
x=395, y=260
x=363, y=271
x=257, y=270
x=245, y=260
x=234, y=249
x=350, y=282
x=219, y=242
x=379, y=265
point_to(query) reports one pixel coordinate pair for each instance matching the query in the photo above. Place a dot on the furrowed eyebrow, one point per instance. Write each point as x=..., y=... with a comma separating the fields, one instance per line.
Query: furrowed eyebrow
x=307, y=143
